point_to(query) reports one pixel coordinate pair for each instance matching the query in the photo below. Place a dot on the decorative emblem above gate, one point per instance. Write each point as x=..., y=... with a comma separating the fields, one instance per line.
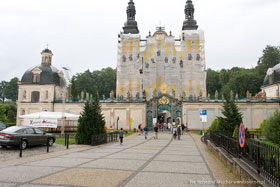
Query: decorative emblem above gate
x=163, y=101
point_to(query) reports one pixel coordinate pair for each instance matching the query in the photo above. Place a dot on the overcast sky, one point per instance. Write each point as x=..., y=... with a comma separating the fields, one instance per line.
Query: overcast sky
x=83, y=34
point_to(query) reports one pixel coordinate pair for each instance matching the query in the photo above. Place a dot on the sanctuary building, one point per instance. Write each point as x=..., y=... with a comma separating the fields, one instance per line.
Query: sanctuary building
x=159, y=78
x=161, y=63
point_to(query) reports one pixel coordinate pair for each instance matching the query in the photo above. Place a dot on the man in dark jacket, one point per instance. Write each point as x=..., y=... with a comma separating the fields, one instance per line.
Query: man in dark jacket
x=121, y=135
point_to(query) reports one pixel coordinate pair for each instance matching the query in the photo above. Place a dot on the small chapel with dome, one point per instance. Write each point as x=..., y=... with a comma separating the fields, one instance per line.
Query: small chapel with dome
x=40, y=85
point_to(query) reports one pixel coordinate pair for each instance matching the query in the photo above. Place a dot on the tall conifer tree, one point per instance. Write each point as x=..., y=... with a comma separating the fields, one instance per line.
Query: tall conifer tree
x=232, y=117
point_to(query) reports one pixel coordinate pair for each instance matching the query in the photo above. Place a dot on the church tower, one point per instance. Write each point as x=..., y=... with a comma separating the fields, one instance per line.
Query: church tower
x=128, y=75
x=160, y=63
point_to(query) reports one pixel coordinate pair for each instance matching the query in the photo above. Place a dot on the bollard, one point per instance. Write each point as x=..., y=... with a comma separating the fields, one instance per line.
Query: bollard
x=67, y=141
x=20, y=146
x=48, y=139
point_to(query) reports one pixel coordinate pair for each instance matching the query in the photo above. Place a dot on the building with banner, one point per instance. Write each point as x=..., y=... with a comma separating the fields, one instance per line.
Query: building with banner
x=161, y=63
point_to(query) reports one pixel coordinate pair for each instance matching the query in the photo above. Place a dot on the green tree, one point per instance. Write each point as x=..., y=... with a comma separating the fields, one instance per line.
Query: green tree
x=3, y=85
x=86, y=125
x=91, y=122
x=270, y=57
x=272, y=128
x=10, y=111
x=11, y=90
x=2, y=113
x=103, y=82
x=213, y=82
x=232, y=117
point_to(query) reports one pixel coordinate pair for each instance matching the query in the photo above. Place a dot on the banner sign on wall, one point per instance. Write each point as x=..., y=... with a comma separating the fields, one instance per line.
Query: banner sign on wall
x=48, y=123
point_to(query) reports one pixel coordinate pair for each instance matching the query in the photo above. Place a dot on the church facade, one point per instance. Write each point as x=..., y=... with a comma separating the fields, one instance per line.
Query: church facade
x=161, y=63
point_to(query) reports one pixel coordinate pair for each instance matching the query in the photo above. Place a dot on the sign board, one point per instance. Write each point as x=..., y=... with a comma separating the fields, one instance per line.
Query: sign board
x=130, y=122
x=203, y=116
x=241, y=135
x=154, y=120
x=48, y=123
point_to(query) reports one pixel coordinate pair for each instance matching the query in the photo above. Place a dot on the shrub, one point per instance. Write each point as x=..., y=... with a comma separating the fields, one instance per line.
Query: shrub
x=272, y=128
x=263, y=124
x=236, y=132
x=214, y=125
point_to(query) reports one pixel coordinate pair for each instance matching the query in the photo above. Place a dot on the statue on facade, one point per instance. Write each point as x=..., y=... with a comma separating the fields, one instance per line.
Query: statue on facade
x=277, y=92
x=87, y=96
x=121, y=97
x=236, y=96
x=128, y=95
x=216, y=95
x=248, y=95
x=90, y=97
x=231, y=95
x=154, y=93
x=173, y=93
x=103, y=96
x=82, y=95
x=264, y=95
x=137, y=95
x=112, y=95
x=144, y=95
x=223, y=97
x=200, y=96
x=208, y=96
x=184, y=94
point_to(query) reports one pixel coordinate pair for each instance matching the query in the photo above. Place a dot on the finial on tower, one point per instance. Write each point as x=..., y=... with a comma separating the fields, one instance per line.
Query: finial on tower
x=131, y=25
x=189, y=23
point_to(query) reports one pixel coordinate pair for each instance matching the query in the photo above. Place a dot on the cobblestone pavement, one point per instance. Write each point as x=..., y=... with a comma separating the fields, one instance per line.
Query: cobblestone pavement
x=138, y=162
x=11, y=153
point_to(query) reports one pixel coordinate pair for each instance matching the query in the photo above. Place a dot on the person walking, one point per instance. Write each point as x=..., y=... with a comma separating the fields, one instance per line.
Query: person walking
x=139, y=129
x=156, y=132
x=121, y=136
x=179, y=132
x=187, y=127
x=146, y=132
x=174, y=132
x=183, y=128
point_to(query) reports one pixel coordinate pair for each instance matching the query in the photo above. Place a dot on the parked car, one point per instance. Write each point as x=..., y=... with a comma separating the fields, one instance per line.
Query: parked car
x=2, y=126
x=11, y=136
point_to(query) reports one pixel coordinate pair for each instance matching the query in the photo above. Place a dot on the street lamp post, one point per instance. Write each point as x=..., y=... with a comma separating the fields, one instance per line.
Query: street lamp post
x=118, y=122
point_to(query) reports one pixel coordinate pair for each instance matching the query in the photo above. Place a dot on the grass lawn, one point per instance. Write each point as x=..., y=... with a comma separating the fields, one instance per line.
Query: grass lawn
x=61, y=141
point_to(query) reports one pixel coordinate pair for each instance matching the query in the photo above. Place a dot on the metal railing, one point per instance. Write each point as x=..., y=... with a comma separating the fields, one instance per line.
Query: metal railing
x=265, y=159
x=186, y=100
x=104, y=138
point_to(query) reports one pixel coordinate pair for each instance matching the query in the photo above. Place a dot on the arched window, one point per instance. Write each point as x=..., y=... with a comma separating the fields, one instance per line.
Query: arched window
x=35, y=97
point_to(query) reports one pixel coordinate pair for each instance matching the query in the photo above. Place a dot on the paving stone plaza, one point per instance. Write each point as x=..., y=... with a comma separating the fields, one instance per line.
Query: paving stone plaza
x=138, y=162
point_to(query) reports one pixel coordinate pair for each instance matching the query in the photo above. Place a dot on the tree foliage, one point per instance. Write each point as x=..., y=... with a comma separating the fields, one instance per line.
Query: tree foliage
x=2, y=113
x=103, y=82
x=91, y=122
x=272, y=128
x=232, y=117
x=239, y=80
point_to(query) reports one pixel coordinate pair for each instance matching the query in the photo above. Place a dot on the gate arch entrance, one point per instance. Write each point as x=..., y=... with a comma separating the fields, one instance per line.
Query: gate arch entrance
x=163, y=108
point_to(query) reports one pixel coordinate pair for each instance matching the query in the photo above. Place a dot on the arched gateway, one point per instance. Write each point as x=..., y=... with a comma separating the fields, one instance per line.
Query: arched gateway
x=163, y=108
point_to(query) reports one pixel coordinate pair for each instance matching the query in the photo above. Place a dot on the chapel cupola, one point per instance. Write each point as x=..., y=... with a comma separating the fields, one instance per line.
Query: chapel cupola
x=189, y=23
x=130, y=25
x=46, y=57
